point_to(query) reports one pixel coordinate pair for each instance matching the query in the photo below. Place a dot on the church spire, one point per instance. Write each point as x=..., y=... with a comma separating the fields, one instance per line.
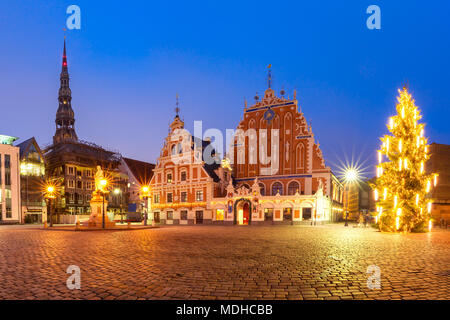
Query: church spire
x=65, y=118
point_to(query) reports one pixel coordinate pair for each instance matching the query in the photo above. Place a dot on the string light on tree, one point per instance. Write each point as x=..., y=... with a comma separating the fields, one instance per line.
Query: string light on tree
x=402, y=176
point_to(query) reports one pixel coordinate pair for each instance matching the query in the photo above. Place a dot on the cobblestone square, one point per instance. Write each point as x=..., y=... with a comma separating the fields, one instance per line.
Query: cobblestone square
x=215, y=262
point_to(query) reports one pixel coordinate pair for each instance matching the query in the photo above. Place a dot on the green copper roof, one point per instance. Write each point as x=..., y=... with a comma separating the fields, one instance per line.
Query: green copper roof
x=7, y=139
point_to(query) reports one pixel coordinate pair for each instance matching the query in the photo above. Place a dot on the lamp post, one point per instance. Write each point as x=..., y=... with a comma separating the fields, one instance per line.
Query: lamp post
x=49, y=195
x=145, y=191
x=103, y=184
x=351, y=175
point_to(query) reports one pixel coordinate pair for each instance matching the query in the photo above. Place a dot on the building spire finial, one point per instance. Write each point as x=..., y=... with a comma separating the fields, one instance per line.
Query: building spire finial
x=177, y=109
x=269, y=76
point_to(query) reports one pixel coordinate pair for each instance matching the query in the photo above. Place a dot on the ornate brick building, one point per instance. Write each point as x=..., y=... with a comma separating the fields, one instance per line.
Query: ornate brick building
x=277, y=147
x=183, y=183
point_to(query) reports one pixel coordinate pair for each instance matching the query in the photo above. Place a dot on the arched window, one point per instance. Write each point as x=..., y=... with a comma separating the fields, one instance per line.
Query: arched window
x=174, y=149
x=293, y=187
x=277, y=187
x=300, y=154
x=246, y=186
x=262, y=189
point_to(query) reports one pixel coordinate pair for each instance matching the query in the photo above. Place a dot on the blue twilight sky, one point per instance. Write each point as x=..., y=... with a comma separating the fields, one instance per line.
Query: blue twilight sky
x=130, y=58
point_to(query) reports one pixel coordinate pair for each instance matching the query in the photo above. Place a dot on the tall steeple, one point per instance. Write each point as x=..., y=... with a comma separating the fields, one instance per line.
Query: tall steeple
x=65, y=118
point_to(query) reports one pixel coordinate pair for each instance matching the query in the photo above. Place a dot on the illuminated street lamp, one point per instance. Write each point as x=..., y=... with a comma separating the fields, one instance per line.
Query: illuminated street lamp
x=50, y=193
x=145, y=195
x=103, y=184
x=351, y=175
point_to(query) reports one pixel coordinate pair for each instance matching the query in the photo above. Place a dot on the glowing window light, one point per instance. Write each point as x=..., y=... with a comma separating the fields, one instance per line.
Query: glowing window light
x=421, y=133
x=429, y=207
x=426, y=149
x=428, y=186
x=418, y=141
x=391, y=123
x=376, y=195
x=421, y=167
x=395, y=201
x=435, y=179
x=385, y=193
x=397, y=223
x=387, y=144
x=403, y=112
x=380, y=157
x=400, y=162
x=405, y=163
x=417, y=199
x=400, y=145
x=430, y=225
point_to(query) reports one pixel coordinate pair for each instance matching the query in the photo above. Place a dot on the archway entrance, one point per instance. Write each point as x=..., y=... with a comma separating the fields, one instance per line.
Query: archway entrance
x=242, y=212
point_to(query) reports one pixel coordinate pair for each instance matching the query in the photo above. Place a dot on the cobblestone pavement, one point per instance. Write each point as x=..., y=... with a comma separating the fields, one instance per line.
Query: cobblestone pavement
x=215, y=262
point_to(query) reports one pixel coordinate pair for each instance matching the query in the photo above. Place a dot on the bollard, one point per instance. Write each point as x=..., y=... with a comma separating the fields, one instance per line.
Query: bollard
x=45, y=224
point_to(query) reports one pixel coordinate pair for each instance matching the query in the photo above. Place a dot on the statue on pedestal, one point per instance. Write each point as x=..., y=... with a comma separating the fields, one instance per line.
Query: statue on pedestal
x=98, y=202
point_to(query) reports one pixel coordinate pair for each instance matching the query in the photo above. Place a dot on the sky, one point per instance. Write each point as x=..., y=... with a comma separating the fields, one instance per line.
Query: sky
x=130, y=59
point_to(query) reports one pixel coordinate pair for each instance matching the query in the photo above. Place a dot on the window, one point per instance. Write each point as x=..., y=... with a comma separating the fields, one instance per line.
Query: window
x=277, y=187
x=262, y=189
x=184, y=196
x=183, y=176
x=287, y=214
x=156, y=198
x=79, y=185
x=79, y=173
x=71, y=184
x=293, y=188
x=220, y=213
x=7, y=170
x=88, y=173
x=169, y=178
x=169, y=215
x=71, y=197
x=88, y=185
x=268, y=214
x=71, y=171
x=169, y=197
x=184, y=215
x=199, y=195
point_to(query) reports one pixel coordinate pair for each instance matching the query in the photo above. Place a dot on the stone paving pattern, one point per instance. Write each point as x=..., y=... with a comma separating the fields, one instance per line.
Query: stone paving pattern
x=215, y=262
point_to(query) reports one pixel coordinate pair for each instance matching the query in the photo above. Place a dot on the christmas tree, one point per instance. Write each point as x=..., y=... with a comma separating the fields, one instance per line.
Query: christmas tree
x=402, y=185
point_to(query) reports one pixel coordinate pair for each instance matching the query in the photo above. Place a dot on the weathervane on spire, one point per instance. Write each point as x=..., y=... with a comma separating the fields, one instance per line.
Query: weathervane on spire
x=269, y=76
x=177, y=109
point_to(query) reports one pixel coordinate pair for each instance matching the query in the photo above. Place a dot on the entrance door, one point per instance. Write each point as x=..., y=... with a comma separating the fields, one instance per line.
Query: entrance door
x=156, y=217
x=199, y=217
x=245, y=214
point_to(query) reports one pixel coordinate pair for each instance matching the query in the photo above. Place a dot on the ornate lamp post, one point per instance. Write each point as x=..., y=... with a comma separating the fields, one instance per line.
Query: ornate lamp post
x=50, y=193
x=145, y=195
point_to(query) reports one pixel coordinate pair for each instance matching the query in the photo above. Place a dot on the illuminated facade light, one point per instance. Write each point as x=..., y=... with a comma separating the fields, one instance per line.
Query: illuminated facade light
x=384, y=193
